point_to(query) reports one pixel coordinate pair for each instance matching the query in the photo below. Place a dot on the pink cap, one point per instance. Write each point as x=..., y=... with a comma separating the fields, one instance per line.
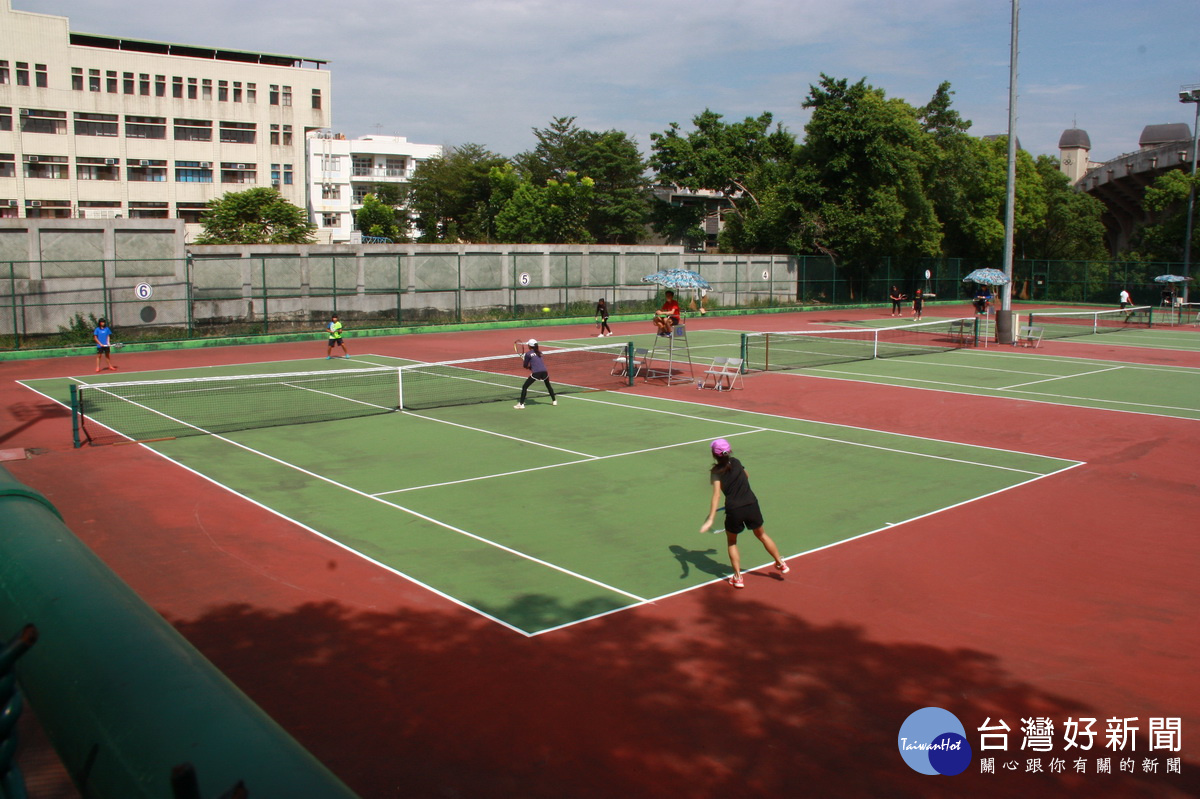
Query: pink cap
x=721, y=447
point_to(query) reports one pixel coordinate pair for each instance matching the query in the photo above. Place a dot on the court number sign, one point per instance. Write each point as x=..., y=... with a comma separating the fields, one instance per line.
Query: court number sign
x=143, y=291
x=523, y=278
x=766, y=274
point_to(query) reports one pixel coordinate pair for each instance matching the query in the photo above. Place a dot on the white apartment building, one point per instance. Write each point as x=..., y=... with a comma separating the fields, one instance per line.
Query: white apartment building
x=343, y=171
x=102, y=126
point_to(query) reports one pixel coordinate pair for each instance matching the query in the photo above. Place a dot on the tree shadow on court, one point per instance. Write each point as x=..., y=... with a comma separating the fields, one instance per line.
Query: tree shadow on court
x=718, y=696
x=24, y=415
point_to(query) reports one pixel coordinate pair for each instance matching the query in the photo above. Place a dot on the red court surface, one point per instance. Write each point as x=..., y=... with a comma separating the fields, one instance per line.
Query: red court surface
x=1068, y=597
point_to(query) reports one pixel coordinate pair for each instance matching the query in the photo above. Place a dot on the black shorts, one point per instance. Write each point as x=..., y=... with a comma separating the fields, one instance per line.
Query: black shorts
x=333, y=341
x=102, y=349
x=747, y=517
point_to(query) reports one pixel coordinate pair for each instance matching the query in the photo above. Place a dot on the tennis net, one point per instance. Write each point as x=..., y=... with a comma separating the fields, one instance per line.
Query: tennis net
x=1064, y=324
x=475, y=380
x=809, y=348
x=148, y=410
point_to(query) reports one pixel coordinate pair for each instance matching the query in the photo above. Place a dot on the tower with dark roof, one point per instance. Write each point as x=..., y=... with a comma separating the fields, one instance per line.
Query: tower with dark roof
x=1073, y=148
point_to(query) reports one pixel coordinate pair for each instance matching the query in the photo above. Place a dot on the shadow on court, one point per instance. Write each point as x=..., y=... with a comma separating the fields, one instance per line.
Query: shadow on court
x=742, y=700
x=700, y=560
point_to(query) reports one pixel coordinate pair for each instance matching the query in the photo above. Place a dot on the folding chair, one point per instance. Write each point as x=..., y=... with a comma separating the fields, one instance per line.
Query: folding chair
x=640, y=359
x=1031, y=337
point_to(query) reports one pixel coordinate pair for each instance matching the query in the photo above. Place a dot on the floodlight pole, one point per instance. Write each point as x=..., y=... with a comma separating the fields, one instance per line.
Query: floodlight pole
x=1004, y=331
x=1190, y=94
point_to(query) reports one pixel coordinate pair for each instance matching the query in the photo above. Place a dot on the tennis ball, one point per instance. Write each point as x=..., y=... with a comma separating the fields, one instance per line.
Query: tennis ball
x=546, y=309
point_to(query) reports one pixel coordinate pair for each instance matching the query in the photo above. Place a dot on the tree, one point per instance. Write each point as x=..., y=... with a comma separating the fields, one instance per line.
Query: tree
x=868, y=156
x=612, y=162
x=450, y=195
x=1071, y=228
x=1167, y=199
x=552, y=214
x=377, y=218
x=255, y=216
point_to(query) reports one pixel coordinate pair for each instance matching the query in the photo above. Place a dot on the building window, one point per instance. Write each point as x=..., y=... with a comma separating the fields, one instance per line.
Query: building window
x=287, y=135
x=22, y=73
x=48, y=209
x=274, y=134
x=5, y=118
x=3, y=72
x=177, y=87
x=8, y=165
x=206, y=89
x=251, y=93
x=145, y=127
x=95, y=124
x=46, y=167
x=146, y=171
x=41, y=78
x=144, y=84
x=331, y=191
x=361, y=167
x=93, y=80
x=76, y=79
x=193, y=130
x=287, y=174
x=37, y=120
x=237, y=91
x=287, y=96
x=222, y=91
x=127, y=83
x=237, y=132
x=160, y=85
x=239, y=173
x=97, y=169
x=316, y=99
x=331, y=220
x=150, y=210
x=190, y=212
x=99, y=209
x=331, y=163
x=110, y=80
x=193, y=172
x=192, y=89
x=273, y=95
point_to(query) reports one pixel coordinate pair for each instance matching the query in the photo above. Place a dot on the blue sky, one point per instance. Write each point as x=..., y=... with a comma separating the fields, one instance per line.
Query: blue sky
x=489, y=71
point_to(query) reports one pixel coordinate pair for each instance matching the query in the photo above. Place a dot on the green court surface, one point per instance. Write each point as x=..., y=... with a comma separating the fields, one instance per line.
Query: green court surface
x=549, y=516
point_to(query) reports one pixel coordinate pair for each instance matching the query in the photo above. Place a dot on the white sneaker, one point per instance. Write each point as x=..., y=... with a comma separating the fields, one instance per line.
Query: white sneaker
x=553, y=402
x=519, y=406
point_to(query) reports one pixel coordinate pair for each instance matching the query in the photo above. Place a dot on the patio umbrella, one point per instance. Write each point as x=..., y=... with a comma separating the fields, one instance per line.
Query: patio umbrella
x=1171, y=279
x=677, y=279
x=987, y=277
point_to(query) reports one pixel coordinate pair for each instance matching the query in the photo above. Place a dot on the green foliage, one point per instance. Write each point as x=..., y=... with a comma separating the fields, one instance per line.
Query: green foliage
x=555, y=213
x=450, y=196
x=78, y=330
x=255, y=216
x=378, y=219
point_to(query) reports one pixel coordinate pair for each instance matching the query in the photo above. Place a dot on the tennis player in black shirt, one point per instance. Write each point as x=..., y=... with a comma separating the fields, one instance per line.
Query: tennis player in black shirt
x=741, y=509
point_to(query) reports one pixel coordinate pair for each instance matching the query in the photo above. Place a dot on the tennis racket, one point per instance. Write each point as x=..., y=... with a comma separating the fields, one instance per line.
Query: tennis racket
x=519, y=347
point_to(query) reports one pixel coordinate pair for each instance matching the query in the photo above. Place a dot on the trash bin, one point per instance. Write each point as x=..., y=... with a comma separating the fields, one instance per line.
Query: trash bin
x=1005, y=321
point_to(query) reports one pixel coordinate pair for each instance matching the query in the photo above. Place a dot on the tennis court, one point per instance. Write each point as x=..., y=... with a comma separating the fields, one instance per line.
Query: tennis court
x=554, y=515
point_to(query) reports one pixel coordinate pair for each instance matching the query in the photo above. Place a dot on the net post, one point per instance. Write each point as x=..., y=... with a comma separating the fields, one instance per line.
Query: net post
x=742, y=347
x=399, y=389
x=632, y=370
x=75, y=415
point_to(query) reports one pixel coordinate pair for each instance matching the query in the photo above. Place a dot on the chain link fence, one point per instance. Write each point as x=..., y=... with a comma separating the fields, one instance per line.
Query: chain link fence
x=232, y=292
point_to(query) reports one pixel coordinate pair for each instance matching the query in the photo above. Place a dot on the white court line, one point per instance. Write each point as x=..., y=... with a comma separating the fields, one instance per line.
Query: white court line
x=587, y=459
x=1060, y=377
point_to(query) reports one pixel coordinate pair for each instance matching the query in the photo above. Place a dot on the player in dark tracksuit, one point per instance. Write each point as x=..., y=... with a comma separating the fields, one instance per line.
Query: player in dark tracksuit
x=537, y=371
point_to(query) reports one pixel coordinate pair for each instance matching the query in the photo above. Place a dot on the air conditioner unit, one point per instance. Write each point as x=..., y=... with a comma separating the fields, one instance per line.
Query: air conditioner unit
x=275, y=183
x=36, y=203
x=110, y=161
x=143, y=163
x=12, y=203
x=239, y=166
x=24, y=112
x=206, y=164
x=31, y=158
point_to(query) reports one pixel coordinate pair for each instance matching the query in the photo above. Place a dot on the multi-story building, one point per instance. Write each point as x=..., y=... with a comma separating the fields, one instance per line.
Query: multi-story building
x=103, y=126
x=343, y=171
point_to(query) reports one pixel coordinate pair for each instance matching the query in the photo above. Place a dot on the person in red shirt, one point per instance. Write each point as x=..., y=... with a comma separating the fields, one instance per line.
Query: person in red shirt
x=667, y=316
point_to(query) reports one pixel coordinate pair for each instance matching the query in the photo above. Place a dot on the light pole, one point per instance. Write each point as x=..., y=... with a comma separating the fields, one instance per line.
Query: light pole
x=1190, y=94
